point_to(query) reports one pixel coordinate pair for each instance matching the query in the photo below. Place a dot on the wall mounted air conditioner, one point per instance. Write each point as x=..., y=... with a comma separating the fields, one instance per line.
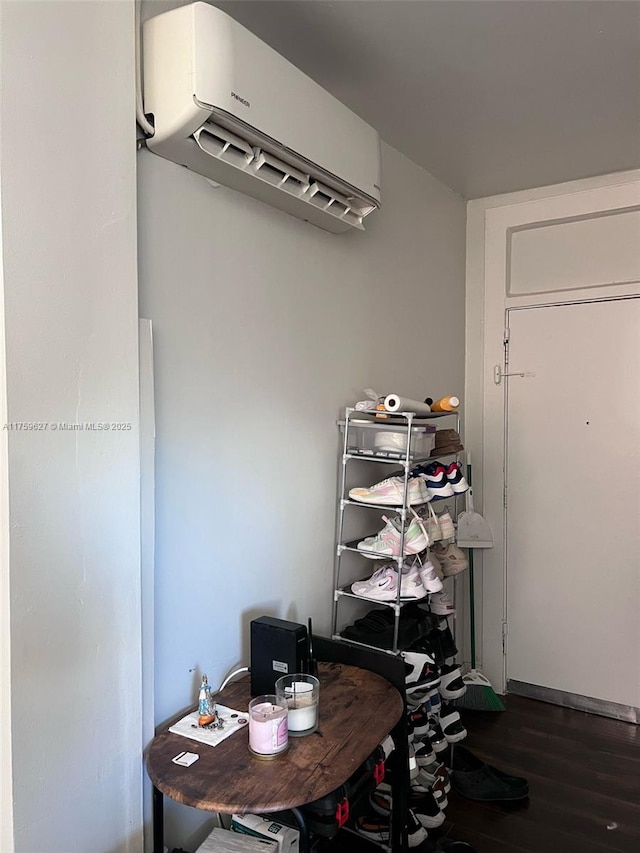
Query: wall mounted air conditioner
x=227, y=106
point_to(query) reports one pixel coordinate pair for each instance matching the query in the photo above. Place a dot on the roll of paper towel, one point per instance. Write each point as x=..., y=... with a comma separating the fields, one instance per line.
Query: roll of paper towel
x=395, y=403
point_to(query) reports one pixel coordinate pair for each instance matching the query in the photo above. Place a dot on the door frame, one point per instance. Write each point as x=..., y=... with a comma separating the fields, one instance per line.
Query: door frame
x=490, y=223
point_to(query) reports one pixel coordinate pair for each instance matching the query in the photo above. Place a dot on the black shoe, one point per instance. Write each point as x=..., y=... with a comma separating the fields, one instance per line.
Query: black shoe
x=476, y=780
x=377, y=626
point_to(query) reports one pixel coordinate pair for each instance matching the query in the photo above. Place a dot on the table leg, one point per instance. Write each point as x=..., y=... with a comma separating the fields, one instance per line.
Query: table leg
x=303, y=846
x=158, y=821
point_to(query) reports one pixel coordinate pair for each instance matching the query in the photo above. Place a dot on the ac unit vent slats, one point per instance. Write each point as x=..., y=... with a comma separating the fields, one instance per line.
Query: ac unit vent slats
x=224, y=145
x=278, y=173
x=221, y=143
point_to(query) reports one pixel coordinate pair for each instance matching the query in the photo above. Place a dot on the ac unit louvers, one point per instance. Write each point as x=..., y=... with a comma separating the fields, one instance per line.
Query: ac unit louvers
x=229, y=107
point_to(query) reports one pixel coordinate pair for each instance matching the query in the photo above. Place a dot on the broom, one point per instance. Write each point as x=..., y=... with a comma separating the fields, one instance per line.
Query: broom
x=479, y=695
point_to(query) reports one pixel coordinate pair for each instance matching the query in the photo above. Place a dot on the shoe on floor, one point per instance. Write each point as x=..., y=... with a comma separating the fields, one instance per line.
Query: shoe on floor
x=465, y=758
x=474, y=779
x=390, y=492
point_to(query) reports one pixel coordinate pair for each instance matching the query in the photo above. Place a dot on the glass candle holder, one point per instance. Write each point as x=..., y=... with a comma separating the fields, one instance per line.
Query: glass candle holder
x=300, y=694
x=268, y=731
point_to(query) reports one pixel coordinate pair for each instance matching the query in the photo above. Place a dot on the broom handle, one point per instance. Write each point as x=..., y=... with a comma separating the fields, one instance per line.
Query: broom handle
x=472, y=592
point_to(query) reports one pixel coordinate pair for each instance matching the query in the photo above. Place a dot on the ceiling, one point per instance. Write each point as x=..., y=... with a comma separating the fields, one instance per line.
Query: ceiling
x=489, y=96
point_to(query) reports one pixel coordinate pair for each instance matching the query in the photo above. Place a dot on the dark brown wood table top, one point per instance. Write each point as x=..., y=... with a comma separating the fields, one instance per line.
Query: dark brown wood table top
x=358, y=709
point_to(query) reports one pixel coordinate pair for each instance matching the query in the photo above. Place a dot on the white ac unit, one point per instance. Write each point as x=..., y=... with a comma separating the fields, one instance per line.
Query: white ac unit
x=227, y=106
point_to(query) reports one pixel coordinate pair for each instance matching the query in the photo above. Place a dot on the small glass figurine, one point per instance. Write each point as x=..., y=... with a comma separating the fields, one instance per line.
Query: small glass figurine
x=207, y=713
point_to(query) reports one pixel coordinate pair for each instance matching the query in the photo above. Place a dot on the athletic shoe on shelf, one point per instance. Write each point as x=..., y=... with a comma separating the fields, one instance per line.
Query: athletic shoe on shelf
x=452, y=685
x=429, y=812
x=376, y=628
x=413, y=761
x=455, y=478
x=436, y=704
x=419, y=719
x=429, y=577
x=425, y=756
x=426, y=808
x=416, y=832
x=421, y=788
x=419, y=696
x=421, y=672
x=383, y=585
x=436, y=482
x=445, y=523
x=452, y=559
x=375, y=827
x=435, y=562
x=451, y=725
x=441, y=604
x=386, y=543
x=436, y=735
x=390, y=492
x=434, y=771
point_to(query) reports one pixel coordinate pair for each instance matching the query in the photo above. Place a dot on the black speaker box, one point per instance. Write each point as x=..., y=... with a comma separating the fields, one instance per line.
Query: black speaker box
x=278, y=648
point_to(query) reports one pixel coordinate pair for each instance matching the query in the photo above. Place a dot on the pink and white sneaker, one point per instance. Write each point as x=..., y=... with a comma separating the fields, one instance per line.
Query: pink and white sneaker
x=383, y=585
x=440, y=603
x=390, y=492
x=386, y=543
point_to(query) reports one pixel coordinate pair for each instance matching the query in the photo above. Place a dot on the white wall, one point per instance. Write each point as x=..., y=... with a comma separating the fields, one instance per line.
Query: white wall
x=68, y=228
x=264, y=328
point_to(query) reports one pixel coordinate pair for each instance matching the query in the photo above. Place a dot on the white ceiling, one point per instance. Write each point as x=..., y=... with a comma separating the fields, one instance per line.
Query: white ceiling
x=490, y=96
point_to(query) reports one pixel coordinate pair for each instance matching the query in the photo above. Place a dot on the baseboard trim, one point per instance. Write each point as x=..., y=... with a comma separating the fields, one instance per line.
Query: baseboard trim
x=573, y=700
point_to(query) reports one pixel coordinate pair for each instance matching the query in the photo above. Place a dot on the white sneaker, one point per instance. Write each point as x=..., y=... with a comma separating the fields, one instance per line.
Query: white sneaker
x=429, y=577
x=445, y=522
x=383, y=585
x=390, y=492
x=452, y=559
x=440, y=603
x=386, y=543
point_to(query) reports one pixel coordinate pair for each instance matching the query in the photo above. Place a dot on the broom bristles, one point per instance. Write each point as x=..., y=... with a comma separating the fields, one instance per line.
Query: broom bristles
x=479, y=695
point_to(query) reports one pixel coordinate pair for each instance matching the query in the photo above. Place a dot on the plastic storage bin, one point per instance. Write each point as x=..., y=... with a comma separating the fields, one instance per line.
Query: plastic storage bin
x=389, y=441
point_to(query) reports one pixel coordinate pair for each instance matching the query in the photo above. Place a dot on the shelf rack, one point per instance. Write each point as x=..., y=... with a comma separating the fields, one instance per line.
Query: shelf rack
x=406, y=422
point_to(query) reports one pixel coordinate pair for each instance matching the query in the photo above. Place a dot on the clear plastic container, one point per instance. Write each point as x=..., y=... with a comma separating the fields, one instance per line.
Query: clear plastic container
x=389, y=441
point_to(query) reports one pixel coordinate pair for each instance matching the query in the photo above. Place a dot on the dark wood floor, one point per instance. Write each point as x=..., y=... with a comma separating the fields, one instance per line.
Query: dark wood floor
x=584, y=778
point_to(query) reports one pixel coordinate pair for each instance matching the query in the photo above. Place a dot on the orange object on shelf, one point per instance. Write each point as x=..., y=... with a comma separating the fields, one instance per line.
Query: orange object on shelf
x=445, y=404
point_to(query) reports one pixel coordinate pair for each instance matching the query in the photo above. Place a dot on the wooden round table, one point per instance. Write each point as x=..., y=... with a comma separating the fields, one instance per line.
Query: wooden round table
x=358, y=709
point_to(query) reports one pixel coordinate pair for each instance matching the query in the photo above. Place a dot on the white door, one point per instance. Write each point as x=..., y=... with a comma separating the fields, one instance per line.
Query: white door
x=573, y=500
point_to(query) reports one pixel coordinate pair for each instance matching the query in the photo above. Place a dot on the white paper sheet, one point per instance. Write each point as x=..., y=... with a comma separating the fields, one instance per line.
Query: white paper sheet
x=233, y=721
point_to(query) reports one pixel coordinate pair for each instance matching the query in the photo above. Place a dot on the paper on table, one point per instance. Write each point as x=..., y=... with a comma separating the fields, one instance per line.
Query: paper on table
x=233, y=720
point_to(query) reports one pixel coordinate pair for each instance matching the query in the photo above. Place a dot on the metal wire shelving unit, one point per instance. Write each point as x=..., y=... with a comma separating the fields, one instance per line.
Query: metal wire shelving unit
x=409, y=423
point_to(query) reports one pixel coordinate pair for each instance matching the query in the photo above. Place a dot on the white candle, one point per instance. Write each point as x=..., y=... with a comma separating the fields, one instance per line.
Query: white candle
x=303, y=711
